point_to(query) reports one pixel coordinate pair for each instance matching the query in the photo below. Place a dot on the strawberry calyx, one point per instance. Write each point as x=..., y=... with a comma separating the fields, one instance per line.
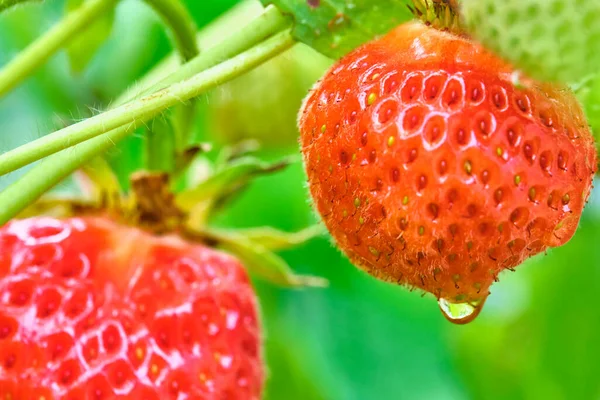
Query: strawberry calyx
x=439, y=14
x=154, y=205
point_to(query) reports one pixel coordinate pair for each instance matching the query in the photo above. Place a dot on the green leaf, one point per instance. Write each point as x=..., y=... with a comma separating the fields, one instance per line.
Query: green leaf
x=335, y=27
x=261, y=262
x=82, y=48
x=274, y=239
x=233, y=176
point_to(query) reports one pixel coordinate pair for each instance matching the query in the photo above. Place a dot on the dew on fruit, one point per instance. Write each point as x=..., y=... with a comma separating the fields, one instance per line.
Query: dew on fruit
x=460, y=313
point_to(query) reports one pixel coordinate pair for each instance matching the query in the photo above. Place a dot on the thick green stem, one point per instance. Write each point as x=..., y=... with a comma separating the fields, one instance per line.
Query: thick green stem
x=129, y=113
x=43, y=48
x=181, y=24
x=161, y=142
x=265, y=25
x=6, y=4
x=51, y=171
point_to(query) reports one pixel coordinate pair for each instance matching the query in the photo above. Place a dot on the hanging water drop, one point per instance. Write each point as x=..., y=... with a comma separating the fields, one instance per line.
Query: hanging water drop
x=460, y=313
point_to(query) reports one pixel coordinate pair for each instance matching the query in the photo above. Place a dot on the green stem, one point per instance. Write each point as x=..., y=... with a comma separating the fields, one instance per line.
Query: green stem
x=265, y=25
x=6, y=4
x=160, y=140
x=51, y=171
x=181, y=24
x=125, y=114
x=43, y=48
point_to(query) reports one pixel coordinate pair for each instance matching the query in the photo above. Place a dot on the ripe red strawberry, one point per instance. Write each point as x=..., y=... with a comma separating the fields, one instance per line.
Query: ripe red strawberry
x=91, y=309
x=432, y=168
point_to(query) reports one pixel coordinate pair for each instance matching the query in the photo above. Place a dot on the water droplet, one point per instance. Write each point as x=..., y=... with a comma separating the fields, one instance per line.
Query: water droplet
x=460, y=313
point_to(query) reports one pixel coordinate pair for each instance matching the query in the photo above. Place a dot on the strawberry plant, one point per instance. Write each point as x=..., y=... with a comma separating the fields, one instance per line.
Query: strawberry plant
x=447, y=142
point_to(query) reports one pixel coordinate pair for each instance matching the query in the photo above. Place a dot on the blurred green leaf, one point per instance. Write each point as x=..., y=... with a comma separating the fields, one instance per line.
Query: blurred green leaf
x=335, y=27
x=82, y=48
x=549, y=40
x=588, y=92
x=6, y=4
x=228, y=179
x=260, y=261
x=274, y=239
x=546, y=344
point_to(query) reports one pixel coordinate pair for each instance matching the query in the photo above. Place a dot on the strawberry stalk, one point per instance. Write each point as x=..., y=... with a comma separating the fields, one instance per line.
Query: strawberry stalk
x=42, y=49
x=173, y=12
x=181, y=23
x=262, y=27
x=103, y=131
x=132, y=115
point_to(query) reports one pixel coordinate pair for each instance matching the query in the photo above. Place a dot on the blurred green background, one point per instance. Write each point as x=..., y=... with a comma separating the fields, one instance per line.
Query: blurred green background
x=537, y=338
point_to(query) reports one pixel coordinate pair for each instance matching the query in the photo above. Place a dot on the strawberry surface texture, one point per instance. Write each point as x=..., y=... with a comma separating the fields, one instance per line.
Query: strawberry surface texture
x=92, y=309
x=434, y=166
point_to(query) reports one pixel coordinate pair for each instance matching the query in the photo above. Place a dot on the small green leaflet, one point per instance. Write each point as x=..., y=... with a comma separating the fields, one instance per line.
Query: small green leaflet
x=335, y=27
x=82, y=48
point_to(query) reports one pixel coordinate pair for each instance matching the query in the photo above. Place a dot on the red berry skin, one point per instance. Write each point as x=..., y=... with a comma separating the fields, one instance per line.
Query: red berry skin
x=432, y=169
x=91, y=309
